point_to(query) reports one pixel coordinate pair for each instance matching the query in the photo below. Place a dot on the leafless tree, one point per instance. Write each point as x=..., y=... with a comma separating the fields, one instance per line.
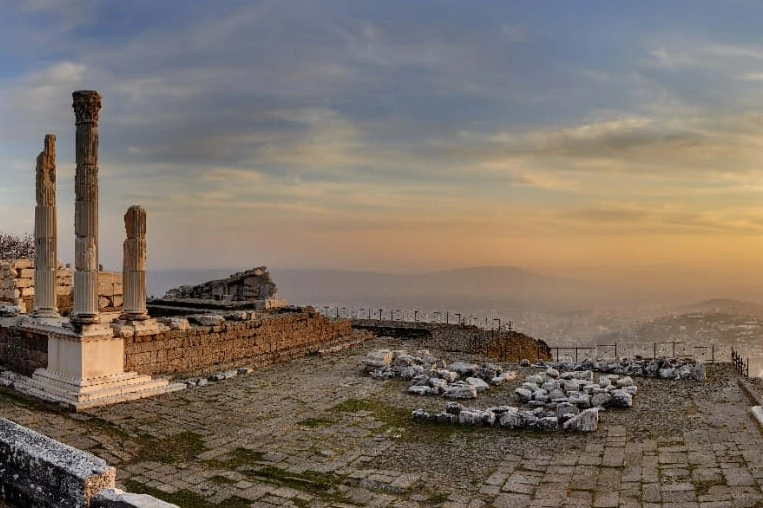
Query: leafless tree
x=16, y=247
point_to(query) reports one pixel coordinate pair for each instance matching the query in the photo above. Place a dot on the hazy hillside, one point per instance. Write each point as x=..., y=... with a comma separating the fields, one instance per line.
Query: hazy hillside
x=463, y=286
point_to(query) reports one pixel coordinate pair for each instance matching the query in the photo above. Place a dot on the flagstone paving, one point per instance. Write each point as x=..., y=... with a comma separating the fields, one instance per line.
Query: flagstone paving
x=319, y=432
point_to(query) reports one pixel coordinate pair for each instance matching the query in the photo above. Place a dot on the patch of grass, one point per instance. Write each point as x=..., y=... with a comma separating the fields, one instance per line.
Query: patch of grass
x=184, y=498
x=438, y=498
x=220, y=480
x=249, y=463
x=312, y=481
x=399, y=424
x=180, y=447
x=315, y=422
x=702, y=487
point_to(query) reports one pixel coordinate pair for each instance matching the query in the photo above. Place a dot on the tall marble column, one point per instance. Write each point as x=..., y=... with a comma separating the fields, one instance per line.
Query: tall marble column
x=134, y=265
x=87, y=104
x=45, y=235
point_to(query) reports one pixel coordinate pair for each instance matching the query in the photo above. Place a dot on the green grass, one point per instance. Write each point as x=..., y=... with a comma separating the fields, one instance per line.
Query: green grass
x=702, y=487
x=180, y=447
x=310, y=481
x=398, y=422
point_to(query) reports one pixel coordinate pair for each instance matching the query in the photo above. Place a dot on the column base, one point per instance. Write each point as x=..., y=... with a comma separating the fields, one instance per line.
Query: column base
x=134, y=316
x=45, y=313
x=80, y=394
x=79, y=320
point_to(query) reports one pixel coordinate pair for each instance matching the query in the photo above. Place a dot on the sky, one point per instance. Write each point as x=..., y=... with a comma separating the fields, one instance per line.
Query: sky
x=399, y=135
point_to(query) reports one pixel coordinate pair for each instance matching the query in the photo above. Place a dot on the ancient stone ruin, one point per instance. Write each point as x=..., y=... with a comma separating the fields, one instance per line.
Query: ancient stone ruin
x=92, y=358
x=45, y=232
x=251, y=289
x=250, y=285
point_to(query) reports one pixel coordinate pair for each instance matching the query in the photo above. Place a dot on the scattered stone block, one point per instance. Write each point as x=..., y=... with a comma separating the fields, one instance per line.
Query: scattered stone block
x=464, y=369
x=460, y=391
x=586, y=421
x=478, y=384
x=377, y=359
x=206, y=319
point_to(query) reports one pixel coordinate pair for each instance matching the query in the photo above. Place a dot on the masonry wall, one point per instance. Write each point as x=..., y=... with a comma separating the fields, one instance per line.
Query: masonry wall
x=22, y=351
x=267, y=340
x=17, y=287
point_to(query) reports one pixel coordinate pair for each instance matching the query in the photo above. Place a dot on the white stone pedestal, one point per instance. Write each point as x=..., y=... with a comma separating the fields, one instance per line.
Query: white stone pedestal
x=86, y=368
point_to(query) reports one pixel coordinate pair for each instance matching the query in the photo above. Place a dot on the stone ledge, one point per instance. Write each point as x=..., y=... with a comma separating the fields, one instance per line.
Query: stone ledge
x=116, y=498
x=38, y=471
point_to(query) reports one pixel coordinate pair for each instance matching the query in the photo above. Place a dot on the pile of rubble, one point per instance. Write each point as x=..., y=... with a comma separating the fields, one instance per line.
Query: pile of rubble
x=578, y=388
x=432, y=376
x=567, y=415
x=663, y=368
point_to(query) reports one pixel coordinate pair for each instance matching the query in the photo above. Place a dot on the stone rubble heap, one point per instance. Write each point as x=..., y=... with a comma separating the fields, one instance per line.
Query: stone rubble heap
x=663, y=368
x=576, y=388
x=567, y=417
x=431, y=376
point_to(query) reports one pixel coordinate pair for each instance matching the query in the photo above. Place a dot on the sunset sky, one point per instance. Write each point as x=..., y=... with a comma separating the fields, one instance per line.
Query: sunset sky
x=399, y=135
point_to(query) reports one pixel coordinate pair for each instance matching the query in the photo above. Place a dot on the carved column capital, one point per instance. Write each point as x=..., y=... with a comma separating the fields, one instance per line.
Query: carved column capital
x=87, y=105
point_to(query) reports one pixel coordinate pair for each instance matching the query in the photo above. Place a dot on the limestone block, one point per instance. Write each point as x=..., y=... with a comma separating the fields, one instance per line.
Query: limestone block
x=24, y=264
x=26, y=273
x=27, y=291
x=104, y=302
x=116, y=498
x=460, y=391
x=206, y=319
x=117, y=301
x=63, y=290
x=55, y=474
x=23, y=283
x=586, y=421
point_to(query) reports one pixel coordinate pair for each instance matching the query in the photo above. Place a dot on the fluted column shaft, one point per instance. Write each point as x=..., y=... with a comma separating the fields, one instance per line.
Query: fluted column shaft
x=87, y=104
x=134, y=265
x=45, y=232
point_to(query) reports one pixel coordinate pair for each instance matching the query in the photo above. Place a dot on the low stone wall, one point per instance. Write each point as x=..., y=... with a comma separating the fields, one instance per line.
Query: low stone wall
x=22, y=351
x=266, y=340
x=40, y=472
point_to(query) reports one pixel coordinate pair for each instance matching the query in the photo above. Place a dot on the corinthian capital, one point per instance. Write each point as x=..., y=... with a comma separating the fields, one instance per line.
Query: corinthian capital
x=87, y=104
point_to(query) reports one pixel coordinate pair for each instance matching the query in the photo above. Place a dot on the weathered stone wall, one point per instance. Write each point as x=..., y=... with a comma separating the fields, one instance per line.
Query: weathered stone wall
x=17, y=287
x=266, y=340
x=22, y=351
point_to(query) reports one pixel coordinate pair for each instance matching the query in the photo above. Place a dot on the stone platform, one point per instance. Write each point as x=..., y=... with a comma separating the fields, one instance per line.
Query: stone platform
x=319, y=432
x=85, y=367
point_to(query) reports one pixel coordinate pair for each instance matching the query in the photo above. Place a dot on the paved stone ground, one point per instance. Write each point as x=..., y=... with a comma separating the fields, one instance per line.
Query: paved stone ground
x=319, y=432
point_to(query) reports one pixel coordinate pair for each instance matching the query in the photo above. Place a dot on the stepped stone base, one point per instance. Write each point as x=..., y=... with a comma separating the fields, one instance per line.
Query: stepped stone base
x=81, y=394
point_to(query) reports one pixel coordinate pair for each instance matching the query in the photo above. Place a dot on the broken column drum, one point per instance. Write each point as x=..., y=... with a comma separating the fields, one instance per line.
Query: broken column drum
x=134, y=265
x=45, y=232
x=87, y=104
